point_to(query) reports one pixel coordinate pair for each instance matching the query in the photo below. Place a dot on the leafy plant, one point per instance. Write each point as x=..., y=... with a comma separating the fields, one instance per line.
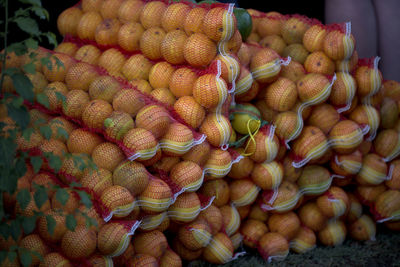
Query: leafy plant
x=18, y=64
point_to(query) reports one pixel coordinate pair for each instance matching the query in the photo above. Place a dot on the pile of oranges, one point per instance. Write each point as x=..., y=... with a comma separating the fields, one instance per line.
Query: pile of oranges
x=200, y=143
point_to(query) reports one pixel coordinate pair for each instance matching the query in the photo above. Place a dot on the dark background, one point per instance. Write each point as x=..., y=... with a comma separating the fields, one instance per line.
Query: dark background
x=313, y=9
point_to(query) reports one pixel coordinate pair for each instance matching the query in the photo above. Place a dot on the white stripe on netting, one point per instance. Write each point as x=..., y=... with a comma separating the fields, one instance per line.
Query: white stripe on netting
x=351, y=92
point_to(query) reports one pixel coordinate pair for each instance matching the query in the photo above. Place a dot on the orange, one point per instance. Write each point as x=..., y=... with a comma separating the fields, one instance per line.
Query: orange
x=91, y=5
x=334, y=203
x=177, y=140
x=252, y=230
x=79, y=244
x=294, y=29
x=273, y=246
x=156, y=197
x=196, y=235
x=233, y=45
x=343, y=90
x=143, y=143
x=129, y=11
x=60, y=123
x=88, y=53
x=313, y=88
x=199, y=50
x=55, y=259
x=363, y=229
x=67, y=48
x=366, y=114
x=287, y=124
x=143, y=260
x=71, y=169
x=373, y=170
x=136, y=67
x=217, y=188
x=318, y=62
x=107, y=155
x=82, y=141
x=244, y=54
x=112, y=60
x=198, y=154
x=220, y=250
x=230, y=67
x=181, y=82
x=338, y=45
x=75, y=102
x=269, y=25
x=97, y=180
x=190, y=111
x=274, y=42
x=296, y=51
x=70, y=206
x=219, y=24
x=174, y=17
x=57, y=147
x=58, y=67
x=129, y=35
x=389, y=113
x=95, y=112
x=194, y=20
x=313, y=38
x=107, y=32
x=36, y=246
x=265, y=65
x=151, y=14
x=166, y=163
x=345, y=136
x=246, y=87
x=150, y=42
x=323, y=116
x=210, y=90
x=369, y=80
x=80, y=76
x=68, y=20
x=160, y=75
x=152, y=243
x=265, y=147
x=163, y=95
x=311, y=144
x=312, y=217
x=117, y=124
x=131, y=175
x=217, y=128
x=293, y=71
x=391, y=89
x=104, y=88
x=347, y=65
x=87, y=25
x=213, y=217
x=346, y=165
x=153, y=118
x=243, y=168
x=286, y=224
x=113, y=239
x=187, y=175
x=129, y=101
x=253, y=37
x=231, y=218
x=333, y=234
x=172, y=47
x=281, y=95
x=53, y=92
x=109, y=9
x=141, y=86
x=119, y=200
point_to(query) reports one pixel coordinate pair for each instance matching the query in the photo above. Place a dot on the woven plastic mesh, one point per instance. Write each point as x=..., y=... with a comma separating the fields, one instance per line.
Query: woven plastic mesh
x=79, y=244
x=107, y=32
x=267, y=175
x=324, y=117
x=154, y=119
x=131, y=175
x=153, y=243
x=296, y=51
x=150, y=42
x=313, y=38
x=281, y=95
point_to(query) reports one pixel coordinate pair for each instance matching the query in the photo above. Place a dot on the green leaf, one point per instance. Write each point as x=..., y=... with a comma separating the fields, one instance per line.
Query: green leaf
x=45, y=130
x=51, y=224
x=70, y=222
x=51, y=37
x=17, y=102
x=29, y=68
x=15, y=228
x=18, y=47
x=19, y=115
x=40, y=12
x=62, y=133
x=27, y=133
x=23, y=86
x=28, y=25
x=32, y=2
x=40, y=196
x=23, y=198
x=43, y=99
x=36, y=162
x=55, y=162
x=85, y=199
x=7, y=151
x=62, y=196
x=12, y=255
x=25, y=257
x=31, y=43
x=60, y=97
x=3, y=255
x=29, y=224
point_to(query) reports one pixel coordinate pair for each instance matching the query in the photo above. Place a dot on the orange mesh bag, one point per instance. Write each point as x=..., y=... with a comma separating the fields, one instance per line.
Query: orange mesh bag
x=273, y=246
x=282, y=199
x=152, y=243
x=333, y=203
x=113, y=238
x=387, y=206
x=333, y=234
x=195, y=235
x=231, y=219
x=304, y=241
x=368, y=78
x=339, y=43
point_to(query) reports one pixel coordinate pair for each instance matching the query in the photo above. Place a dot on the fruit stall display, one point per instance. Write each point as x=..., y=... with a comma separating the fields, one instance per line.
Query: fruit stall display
x=210, y=130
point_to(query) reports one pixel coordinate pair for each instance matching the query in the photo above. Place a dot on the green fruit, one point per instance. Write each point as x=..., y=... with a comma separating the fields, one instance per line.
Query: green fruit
x=244, y=22
x=208, y=2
